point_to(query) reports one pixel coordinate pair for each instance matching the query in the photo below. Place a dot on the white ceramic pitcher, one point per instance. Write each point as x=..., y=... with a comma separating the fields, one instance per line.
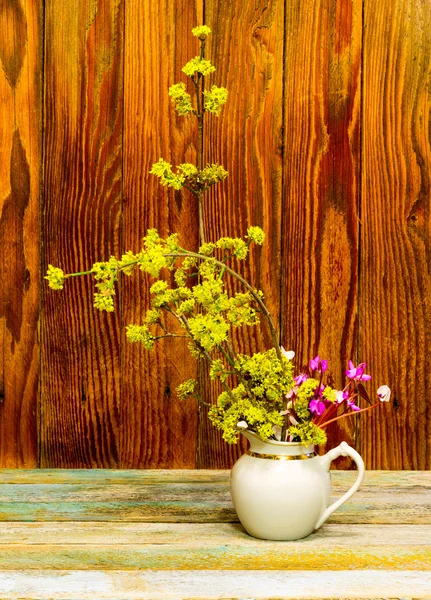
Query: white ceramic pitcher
x=281, y=490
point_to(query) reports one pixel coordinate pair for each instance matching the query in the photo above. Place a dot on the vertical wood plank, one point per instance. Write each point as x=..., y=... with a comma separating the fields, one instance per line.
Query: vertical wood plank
x=395, y=284
x=81, y=224
x=246, y=47
x=20, y=157
x=321, y=184
x=158, y=430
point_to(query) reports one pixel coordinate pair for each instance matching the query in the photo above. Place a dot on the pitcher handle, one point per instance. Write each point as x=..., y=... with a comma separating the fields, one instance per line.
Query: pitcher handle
x=342, y=450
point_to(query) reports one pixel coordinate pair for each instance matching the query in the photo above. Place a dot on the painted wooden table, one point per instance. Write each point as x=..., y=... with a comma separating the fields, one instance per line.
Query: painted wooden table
x=174, y=534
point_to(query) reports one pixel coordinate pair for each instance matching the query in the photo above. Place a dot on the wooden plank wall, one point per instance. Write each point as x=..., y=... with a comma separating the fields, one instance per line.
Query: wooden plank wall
x=326, y=136
x=21, y=81
x=80, y=221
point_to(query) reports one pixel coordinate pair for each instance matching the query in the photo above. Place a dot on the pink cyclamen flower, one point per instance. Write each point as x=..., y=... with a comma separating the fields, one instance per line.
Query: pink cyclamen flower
x=357, y=373
x=384, y=393
x=300, y=378
x=317, y=407
x=316, y=363
x=352, y=405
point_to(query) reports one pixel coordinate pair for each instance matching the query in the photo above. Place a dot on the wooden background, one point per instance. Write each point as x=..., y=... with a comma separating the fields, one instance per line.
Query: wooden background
x=326, y=136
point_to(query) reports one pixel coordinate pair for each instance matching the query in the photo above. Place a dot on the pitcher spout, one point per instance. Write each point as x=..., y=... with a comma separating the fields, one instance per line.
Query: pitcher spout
x=250, y=435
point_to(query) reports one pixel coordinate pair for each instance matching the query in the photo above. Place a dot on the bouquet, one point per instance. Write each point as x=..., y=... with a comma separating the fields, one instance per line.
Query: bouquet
x=190, y=298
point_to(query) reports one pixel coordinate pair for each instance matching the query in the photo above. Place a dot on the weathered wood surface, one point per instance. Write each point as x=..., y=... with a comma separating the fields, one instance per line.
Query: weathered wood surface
x=192, y=496
x=403, y=480
x=210, y=585
x=326, y=138
x=151, y=559
x=21, y=49
x=322, y=98
x=395, y=281
x=80, y=392
x=157, y=430
x=210, y=547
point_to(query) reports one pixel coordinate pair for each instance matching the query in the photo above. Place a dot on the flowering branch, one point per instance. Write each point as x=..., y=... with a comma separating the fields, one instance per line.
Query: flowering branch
x=197, y=179
x=252, y=291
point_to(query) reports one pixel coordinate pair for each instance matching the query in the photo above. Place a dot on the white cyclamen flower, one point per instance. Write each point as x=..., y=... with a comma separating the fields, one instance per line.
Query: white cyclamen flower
x=290, y=394
x=340, y=396
x=289, y=354
x=277, y=432
x=384, y=393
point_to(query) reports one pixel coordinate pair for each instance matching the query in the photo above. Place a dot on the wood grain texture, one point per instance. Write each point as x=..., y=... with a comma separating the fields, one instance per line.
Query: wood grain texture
x=192, y=497
x=212, y=535
x=417, y=481
x=322, y=95
x=81, y=224
x=395, y=307
x=217, y=547
x=20, y=156
x=246, y=46
x=158, y=430
x=212, y=585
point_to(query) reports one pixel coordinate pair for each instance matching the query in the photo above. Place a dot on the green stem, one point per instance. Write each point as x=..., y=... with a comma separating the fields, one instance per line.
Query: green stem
x=170, y=335
x=201, y=219
x=200, y=84
x=226, y=355
x=230, y=348
x=199, y=399
x=195, y=192
x=66, y=276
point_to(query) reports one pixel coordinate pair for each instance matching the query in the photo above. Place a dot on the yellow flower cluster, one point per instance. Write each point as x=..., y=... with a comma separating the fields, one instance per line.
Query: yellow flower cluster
x=163, y=170
x=201, y=31
x=198, y=65
x=256, y=235
x=208, y=330
x=238, y=406
x=309, y=434
x=188, y=174
x=215, y=98
x=181, y=99
x=55, y=277
x=187, y=388
x=140, y=333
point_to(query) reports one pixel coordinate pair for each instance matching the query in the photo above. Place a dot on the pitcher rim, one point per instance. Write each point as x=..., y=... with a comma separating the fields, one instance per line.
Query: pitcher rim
x=276, y=442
